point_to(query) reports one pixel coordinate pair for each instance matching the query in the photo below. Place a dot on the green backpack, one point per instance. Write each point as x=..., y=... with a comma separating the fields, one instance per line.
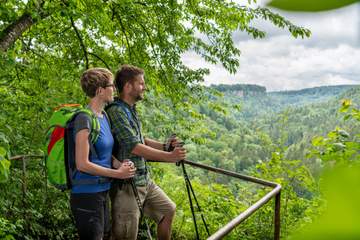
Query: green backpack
x=60, y=148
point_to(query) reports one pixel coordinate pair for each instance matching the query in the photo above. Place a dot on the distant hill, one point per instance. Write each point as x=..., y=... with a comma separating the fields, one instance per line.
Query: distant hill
x=310, y=95
x=240, y=90
x=243, y=90
x=316, y=90
x=288, y=118
x=255, y=101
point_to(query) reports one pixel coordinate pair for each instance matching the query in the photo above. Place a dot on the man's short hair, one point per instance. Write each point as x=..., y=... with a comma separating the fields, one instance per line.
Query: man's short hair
x=126, y=73
x=94, y=78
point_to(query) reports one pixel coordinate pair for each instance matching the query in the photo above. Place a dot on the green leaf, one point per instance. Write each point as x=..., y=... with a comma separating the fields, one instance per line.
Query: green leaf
x=2, y=153
x=344, y=133
x=338, y=146
x=310, y=5
x=237, y=107
x=4, y=170
x=4, y=166
x=317, y=141
x=347, y=117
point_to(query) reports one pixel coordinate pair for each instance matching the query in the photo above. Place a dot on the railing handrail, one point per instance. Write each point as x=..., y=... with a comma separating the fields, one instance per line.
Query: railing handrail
x=21, y=157
x=220, y=233
x=232, y=174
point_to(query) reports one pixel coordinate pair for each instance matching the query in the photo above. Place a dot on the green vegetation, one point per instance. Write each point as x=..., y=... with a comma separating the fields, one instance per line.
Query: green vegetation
x=290, y=146
x=286, y=137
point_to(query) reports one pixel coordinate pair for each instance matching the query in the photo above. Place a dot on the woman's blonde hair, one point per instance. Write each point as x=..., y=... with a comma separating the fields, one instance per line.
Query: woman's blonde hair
x=94, y=78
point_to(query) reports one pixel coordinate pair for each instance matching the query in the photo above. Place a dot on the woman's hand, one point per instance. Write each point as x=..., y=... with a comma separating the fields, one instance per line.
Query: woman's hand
x=125, y=169
x=115, y=162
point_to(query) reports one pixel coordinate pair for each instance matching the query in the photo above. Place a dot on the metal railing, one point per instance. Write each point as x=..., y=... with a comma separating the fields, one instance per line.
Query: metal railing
x=222, y=232
x=23, y=159
x=275, y=192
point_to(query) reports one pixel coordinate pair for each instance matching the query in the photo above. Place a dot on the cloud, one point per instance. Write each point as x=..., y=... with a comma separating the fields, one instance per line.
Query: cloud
x=278, y=65
x=280, y=62
x=328, y=28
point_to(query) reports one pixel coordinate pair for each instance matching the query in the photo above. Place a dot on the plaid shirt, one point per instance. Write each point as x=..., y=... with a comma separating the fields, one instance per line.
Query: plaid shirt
x=127, y=134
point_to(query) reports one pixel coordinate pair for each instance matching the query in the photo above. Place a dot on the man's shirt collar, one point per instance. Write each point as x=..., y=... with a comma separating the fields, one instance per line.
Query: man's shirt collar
x=117, y=99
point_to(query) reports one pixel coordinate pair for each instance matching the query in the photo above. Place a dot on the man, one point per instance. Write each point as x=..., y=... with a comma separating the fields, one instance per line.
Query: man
x=132, y=145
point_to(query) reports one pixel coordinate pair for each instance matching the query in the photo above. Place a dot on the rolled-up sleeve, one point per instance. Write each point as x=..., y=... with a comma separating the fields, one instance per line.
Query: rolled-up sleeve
x=121, y=128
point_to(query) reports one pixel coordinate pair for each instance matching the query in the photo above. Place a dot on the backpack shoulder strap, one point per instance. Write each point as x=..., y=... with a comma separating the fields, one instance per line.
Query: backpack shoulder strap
x=94, y=130
x=128, y=114
x=126, y=110
x=95, y=124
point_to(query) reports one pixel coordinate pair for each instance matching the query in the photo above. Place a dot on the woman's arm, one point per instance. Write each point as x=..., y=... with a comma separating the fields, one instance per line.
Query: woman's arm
x=83, y=164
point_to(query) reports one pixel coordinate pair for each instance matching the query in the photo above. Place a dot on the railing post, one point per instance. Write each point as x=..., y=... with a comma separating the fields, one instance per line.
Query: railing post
x=277, y=216
x=23, y=177
x=24, y=190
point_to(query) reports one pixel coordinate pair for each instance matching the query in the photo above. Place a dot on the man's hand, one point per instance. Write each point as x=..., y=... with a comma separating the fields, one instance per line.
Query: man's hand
x=175, y=142
x=172, y=142
x=178, y=154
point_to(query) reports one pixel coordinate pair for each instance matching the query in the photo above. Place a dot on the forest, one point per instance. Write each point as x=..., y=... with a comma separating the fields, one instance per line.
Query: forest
x=306, y=140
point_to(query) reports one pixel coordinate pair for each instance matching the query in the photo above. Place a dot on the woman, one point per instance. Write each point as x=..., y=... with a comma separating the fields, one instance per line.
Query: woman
x=89, y=202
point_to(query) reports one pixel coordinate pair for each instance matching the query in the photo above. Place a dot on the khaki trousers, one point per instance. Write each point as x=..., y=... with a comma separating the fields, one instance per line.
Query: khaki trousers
x=125, y=211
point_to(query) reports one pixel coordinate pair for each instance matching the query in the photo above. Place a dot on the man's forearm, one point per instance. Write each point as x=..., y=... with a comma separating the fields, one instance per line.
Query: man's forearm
x=154, y=144
x=151, y=153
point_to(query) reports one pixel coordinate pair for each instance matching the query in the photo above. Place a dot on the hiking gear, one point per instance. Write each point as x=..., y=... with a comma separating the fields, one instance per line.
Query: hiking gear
x=60, y=155
x=190, y=191
x=168, y=147
x=138, y=201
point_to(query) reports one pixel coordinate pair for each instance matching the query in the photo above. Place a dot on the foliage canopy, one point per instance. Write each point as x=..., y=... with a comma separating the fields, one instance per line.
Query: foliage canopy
x=55, y=40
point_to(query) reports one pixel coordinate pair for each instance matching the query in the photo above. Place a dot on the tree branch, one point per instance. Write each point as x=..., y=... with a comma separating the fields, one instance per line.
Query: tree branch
x=125, y=34
x=14, y=31
x=81, y=43
x=157, y=57
x=28, y=48
x=11, y=33
x=102, y=60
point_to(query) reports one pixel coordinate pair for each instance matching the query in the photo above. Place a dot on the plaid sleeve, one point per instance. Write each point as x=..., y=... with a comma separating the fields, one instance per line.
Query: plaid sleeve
x=121, y=128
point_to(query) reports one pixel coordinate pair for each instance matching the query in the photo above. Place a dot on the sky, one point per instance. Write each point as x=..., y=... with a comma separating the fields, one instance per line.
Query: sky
x=280, y=62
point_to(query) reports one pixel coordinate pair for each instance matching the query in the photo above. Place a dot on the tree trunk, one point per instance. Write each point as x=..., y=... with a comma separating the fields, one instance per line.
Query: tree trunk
x=14, y=31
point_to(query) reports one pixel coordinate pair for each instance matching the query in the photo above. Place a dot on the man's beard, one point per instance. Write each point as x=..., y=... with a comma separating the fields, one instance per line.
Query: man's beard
x=139, y=97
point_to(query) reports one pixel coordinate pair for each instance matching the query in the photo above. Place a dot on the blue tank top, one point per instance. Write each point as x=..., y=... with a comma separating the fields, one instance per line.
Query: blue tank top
x=103, y=146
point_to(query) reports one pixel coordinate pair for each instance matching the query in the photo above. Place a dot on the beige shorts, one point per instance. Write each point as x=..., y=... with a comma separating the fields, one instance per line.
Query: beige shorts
x=126, y=214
